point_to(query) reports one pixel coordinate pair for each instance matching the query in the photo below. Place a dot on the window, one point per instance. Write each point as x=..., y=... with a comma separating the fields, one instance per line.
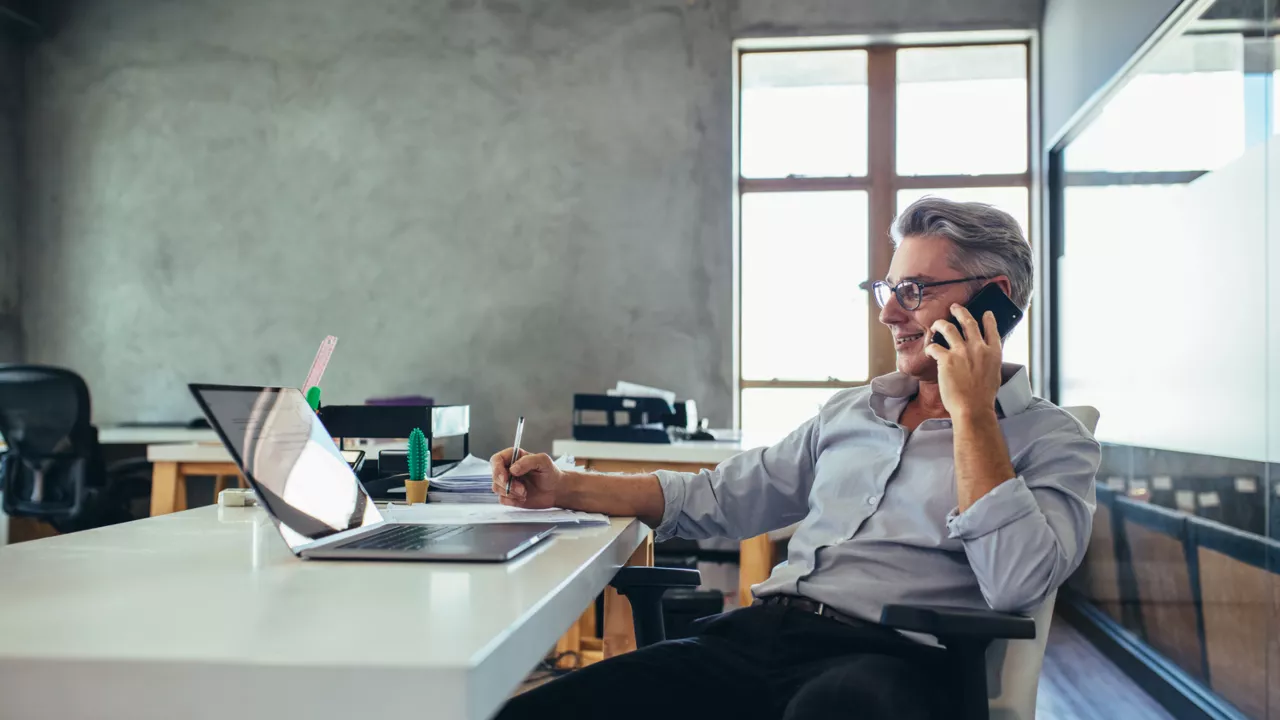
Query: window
x=832, y=143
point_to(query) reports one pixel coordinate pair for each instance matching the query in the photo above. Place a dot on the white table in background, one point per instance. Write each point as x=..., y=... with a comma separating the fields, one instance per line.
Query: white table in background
x=206, y=614
x=153, y=435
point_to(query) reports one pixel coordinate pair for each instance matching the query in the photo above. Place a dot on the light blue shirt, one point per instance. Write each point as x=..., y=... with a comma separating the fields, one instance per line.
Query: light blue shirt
x=877, y=505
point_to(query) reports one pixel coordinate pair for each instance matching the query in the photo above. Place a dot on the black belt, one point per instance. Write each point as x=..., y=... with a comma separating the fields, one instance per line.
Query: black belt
x=817, y=608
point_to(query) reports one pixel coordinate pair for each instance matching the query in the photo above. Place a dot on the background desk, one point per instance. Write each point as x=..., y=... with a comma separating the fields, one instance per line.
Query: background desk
x=206, y=614
x=171, y=465
x=153, y=435
x=756, y=558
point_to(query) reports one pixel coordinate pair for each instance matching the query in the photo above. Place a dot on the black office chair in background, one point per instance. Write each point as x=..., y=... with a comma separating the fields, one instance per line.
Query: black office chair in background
x=53, y=469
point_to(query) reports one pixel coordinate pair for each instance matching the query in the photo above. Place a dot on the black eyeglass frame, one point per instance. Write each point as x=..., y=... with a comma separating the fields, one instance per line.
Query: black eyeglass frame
x=920, y=287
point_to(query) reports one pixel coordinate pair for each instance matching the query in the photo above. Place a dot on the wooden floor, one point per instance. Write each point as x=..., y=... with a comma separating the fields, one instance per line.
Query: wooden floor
x=1079, y=683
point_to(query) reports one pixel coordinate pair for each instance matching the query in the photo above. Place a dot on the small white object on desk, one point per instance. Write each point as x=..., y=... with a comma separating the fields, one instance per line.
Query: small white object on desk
x=235, y=497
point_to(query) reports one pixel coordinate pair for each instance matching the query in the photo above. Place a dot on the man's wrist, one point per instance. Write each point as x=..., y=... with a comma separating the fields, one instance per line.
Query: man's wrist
x=975, y=416
x=567, y=489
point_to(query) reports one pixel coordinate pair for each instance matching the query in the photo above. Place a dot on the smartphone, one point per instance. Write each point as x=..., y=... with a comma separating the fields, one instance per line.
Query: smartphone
x=989, y=299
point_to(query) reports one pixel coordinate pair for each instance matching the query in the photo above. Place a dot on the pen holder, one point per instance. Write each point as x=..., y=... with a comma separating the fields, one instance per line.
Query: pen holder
x=415, y=491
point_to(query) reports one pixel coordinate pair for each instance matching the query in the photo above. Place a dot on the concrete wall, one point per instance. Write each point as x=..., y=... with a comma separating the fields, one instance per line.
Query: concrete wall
x=10, y=200
x=491, y=202
x=1084, y=43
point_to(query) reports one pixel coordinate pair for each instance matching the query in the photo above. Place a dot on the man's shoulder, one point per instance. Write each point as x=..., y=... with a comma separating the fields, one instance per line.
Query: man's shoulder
x=1047, y=419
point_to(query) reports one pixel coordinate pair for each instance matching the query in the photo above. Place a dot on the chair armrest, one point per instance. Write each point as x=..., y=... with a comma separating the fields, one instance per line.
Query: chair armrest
x=959, y=623
x=637, y=576
x=644, y=586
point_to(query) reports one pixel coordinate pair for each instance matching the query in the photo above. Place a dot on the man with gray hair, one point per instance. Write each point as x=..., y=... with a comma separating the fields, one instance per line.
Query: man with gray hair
x=944, y=483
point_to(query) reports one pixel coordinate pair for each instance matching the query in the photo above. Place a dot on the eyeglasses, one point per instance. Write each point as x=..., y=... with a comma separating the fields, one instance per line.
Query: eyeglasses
x=909, y=292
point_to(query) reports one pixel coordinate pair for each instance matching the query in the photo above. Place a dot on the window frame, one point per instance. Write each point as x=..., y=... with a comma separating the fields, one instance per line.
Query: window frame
x=881, y=183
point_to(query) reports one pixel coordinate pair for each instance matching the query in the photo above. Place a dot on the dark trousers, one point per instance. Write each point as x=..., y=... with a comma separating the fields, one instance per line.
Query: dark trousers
x=764, y=661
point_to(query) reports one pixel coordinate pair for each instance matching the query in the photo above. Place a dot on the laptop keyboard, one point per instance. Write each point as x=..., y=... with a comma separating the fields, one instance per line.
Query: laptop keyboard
x=404, y=537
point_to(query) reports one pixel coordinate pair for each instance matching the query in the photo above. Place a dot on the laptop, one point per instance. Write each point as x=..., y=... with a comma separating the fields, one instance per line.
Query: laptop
x=307, y=487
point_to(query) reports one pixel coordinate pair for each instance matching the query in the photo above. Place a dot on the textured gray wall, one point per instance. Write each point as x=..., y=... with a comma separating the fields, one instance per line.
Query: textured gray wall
x=1083, y=44
x=10, y=200
x=495, y=202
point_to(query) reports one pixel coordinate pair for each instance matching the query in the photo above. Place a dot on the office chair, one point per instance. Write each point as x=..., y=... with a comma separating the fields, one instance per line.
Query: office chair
x=996, y=655
x=53, y=469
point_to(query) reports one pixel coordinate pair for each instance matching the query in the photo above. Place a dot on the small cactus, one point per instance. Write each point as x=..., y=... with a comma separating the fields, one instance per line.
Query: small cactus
x=419, y=456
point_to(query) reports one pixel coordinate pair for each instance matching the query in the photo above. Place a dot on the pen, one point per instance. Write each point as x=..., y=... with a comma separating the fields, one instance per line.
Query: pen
x=515, y=451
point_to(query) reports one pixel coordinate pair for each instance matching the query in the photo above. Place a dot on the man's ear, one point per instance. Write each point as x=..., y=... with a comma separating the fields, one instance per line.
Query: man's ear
x=1003, y=282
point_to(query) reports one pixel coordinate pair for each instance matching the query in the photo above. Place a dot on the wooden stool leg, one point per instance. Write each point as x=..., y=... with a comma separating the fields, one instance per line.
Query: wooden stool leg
x=180, y=492
x=755, y=562
x=164, y=488
x=619, y=630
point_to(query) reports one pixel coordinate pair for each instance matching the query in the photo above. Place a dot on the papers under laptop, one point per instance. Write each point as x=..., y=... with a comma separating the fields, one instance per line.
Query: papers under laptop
x=479, y=514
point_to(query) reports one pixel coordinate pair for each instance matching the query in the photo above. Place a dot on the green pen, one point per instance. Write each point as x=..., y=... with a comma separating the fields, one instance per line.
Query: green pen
x=313, y=398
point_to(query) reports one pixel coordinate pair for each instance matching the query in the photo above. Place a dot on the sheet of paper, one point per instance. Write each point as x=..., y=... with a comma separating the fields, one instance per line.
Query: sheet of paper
x=630, y=389
x=479, y=514
x=475, y=475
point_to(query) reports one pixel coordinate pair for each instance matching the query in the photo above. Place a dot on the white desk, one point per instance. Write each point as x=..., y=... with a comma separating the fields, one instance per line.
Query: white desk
x=141, y=435
x=206, y=614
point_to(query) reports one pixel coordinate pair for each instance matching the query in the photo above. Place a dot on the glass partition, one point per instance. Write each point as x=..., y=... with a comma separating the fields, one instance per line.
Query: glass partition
x=1168, y=320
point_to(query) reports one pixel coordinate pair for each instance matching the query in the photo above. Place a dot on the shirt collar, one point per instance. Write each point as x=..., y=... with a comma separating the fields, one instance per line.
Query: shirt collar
x=1013, y=397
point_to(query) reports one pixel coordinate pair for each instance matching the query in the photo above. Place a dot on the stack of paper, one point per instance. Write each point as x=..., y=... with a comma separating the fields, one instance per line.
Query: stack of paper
x=629, y=389
x=470, y=481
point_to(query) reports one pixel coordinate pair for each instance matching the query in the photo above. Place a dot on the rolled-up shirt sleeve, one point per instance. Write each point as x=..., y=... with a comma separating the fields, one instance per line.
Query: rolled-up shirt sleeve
x=748, y=494
x=1025, y=537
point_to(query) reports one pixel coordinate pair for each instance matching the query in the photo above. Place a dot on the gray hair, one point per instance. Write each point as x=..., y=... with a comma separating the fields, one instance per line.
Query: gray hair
x=987, y=241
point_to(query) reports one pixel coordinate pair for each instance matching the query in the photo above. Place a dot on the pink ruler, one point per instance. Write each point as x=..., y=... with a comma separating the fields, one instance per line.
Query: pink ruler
x=320, y=363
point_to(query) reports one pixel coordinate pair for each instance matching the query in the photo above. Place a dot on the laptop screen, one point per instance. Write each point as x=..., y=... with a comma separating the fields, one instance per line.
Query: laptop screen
x=301, y=478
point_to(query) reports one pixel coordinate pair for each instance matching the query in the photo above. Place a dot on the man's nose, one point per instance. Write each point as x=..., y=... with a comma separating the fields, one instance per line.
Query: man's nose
x=892, y=312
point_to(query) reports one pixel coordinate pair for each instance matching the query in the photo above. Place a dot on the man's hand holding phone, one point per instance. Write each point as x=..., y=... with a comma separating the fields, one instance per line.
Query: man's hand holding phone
x=968, y=370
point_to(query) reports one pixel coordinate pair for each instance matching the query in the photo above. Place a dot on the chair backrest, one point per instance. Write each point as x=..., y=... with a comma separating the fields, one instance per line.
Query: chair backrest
x=53, y=460
x=1013, y=666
